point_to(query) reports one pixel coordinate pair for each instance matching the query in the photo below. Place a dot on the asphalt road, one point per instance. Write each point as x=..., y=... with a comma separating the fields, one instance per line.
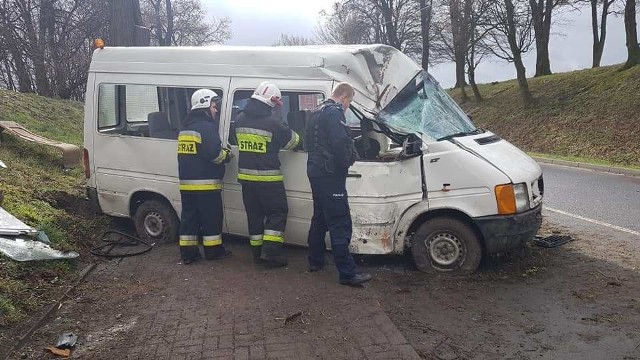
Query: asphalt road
x=602, y=197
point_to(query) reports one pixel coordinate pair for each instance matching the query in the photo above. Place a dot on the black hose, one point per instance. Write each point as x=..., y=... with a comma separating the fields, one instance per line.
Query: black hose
x=123, y=240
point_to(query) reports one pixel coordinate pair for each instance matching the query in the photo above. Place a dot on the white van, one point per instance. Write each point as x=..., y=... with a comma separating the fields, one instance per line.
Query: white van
x=427, y=181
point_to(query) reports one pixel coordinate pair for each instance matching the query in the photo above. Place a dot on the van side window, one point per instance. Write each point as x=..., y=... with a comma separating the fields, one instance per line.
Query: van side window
x=295, y=108
x=143, y=110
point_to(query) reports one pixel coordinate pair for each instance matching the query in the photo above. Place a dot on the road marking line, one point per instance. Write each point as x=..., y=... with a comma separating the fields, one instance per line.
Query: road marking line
x=619, y=228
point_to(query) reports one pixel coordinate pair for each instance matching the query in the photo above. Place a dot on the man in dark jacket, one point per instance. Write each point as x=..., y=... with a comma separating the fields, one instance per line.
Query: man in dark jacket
x=260, y=136
x=201, y=160
x=331, y=153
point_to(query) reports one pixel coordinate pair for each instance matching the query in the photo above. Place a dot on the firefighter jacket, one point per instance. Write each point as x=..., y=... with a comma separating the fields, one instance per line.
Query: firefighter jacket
x=260, y=136
x=201, y=157
x=328, y=141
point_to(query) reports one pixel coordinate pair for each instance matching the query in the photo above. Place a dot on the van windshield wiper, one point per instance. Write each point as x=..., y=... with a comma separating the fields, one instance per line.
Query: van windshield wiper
x=458, y=134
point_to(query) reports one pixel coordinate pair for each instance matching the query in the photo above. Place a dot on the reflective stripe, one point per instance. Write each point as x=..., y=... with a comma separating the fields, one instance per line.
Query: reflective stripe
x=222, y=156
x=189, y=135
x=260, y=175
x=267, y=134
x=295, y=140
x=255, y=240
x=201, y=185
x=273, y=236
x=188, y=240
x=212, y=240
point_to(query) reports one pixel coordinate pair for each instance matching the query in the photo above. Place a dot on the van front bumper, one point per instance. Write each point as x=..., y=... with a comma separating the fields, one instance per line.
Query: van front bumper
x=506, y=232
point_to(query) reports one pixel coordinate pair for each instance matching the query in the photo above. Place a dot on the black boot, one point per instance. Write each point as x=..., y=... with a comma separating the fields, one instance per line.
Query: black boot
x=255, y=252
x=274, y=254
x=216, y=252
x=357, y=280
x=189, y=254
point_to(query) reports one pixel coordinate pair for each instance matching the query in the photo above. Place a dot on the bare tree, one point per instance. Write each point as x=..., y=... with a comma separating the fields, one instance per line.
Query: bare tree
x=599, y=31
x=542, y=12
x=293, y=40
x=631, y=30
x=126, y=27
x=183, y=23
x=511, y=37
x=426, y=10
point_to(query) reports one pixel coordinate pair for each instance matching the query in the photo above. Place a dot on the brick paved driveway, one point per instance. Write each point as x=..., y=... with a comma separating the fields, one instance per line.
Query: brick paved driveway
x=152, y=307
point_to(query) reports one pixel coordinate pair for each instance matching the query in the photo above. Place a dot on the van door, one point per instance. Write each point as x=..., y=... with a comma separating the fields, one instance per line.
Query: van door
x=297, y=96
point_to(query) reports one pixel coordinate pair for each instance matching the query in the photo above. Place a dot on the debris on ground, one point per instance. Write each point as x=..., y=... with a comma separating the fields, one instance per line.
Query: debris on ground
x=67, y=340
x=22, y=249
x=3, y=165
x=59, y=352
x=118, y=244
x=552, y=241
x=11, y=226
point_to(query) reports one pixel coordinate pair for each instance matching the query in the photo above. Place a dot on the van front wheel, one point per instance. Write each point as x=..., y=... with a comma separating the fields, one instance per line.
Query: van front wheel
x=156, y=222
x=446, y=245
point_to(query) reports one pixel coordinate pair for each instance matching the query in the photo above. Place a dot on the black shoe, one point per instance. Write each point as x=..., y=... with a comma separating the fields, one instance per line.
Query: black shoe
x=255, y=253
x=189, y=260
x=315, y=268
x=356, y=280
x=274, y=255
x=222, y=255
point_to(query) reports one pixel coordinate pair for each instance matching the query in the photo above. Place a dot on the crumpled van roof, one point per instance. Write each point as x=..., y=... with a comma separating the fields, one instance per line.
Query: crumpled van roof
x=377, y=72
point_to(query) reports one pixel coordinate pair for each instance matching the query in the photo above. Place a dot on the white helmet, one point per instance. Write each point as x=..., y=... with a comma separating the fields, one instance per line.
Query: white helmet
x=201, y=99
x=267, y=93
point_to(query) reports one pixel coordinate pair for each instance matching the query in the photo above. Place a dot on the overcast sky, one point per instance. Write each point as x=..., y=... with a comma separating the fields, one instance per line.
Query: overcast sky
x=261, y=22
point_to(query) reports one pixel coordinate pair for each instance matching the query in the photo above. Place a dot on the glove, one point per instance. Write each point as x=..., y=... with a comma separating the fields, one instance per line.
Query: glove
x=228, y=154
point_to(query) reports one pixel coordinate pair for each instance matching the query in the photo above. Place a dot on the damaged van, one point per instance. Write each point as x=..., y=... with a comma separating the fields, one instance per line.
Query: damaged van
x=428, y=181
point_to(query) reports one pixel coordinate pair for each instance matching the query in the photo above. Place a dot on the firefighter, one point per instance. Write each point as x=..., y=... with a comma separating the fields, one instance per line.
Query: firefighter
x=331, y=153
x=201, y=160
x=260, y=135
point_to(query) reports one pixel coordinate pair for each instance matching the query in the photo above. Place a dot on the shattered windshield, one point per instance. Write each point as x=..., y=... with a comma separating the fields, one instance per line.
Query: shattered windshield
x=422, y=107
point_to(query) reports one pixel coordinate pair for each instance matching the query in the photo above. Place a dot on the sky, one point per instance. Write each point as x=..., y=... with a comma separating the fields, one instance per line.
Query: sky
x=261, y=22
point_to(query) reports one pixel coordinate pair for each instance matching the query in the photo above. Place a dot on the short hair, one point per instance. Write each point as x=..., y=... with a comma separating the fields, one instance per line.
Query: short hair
x=343, y=89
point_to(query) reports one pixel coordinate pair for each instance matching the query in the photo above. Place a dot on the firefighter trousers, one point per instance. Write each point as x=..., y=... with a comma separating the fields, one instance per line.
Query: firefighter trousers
x=267, y=209
x=202, y=215
x=331, y=213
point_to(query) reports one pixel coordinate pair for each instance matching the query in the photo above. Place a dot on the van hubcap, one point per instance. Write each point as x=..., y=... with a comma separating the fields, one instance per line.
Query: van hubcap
x=153, y=224
x=445, y=249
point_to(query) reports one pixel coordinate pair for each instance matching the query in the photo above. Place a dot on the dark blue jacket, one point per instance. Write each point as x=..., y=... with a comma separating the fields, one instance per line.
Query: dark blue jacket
x=328, y=141
x=200, y=153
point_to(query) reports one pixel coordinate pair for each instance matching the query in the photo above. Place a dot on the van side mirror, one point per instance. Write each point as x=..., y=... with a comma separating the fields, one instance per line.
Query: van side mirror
x=411, y=146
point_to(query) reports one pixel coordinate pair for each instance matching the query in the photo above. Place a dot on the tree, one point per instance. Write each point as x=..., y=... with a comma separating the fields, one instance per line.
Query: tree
x=511, y=36
x=426, y=9
x=599, y=31
x=126, y=26
x=541, y=12
x=183, y=23
x=293, y=40
x=631, y=30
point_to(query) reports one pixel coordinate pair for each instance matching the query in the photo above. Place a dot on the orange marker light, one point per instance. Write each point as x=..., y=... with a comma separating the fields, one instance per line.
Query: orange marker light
x=506, y=199
x=99, y=44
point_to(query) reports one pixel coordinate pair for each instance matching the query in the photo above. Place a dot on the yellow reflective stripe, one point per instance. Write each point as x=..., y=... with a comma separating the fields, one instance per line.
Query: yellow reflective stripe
x=273, y=236
x=190, y=138
x=188, y=240
x=213, y=240
x=248, y=177
x=200, y=185
x=295, y=140
x=255, y=240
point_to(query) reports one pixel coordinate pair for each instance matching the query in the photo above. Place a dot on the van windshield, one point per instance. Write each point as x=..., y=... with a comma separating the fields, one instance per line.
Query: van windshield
x=423, y=107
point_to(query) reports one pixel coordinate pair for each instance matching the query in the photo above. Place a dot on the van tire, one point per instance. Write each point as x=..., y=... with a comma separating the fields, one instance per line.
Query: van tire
x=156, y=222
x=446, y=244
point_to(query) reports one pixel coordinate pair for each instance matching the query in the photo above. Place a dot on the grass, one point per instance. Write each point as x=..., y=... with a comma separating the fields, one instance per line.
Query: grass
x=591, y=114
x=40, y=193
x=584, y=160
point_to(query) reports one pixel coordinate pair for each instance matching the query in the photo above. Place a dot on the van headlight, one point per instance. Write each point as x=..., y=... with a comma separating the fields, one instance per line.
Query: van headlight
x=522, y=197
x=512, y=198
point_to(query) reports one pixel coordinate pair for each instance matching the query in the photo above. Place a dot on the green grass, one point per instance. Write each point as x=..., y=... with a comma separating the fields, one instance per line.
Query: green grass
x=584, y=160
x=40, y=193
x=589, y=114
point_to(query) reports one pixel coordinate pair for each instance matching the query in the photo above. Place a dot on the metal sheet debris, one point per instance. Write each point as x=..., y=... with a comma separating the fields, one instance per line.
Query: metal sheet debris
x=21, y=249
x=10, y=225
x=2, y=165
x=67, y=340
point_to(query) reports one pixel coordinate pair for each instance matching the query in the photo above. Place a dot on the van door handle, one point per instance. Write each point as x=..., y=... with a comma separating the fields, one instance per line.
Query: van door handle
x=354, y=175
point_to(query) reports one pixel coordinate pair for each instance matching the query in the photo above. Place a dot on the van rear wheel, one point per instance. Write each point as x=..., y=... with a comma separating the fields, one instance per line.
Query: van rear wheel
x=446, y=245
x=156, y=222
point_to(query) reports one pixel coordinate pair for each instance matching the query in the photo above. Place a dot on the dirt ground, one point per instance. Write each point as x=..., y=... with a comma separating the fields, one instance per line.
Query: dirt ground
x=578, y=301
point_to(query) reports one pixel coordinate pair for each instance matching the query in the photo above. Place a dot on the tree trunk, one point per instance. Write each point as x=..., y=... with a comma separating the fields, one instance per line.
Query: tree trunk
x=541, y=12
x=521, y=71
x=126, y=24
x=461, y=60
x=630, y=24
x=169, y=35
x=599, y=32
x=387, y=14
x=425, y=22
x=474, y=86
